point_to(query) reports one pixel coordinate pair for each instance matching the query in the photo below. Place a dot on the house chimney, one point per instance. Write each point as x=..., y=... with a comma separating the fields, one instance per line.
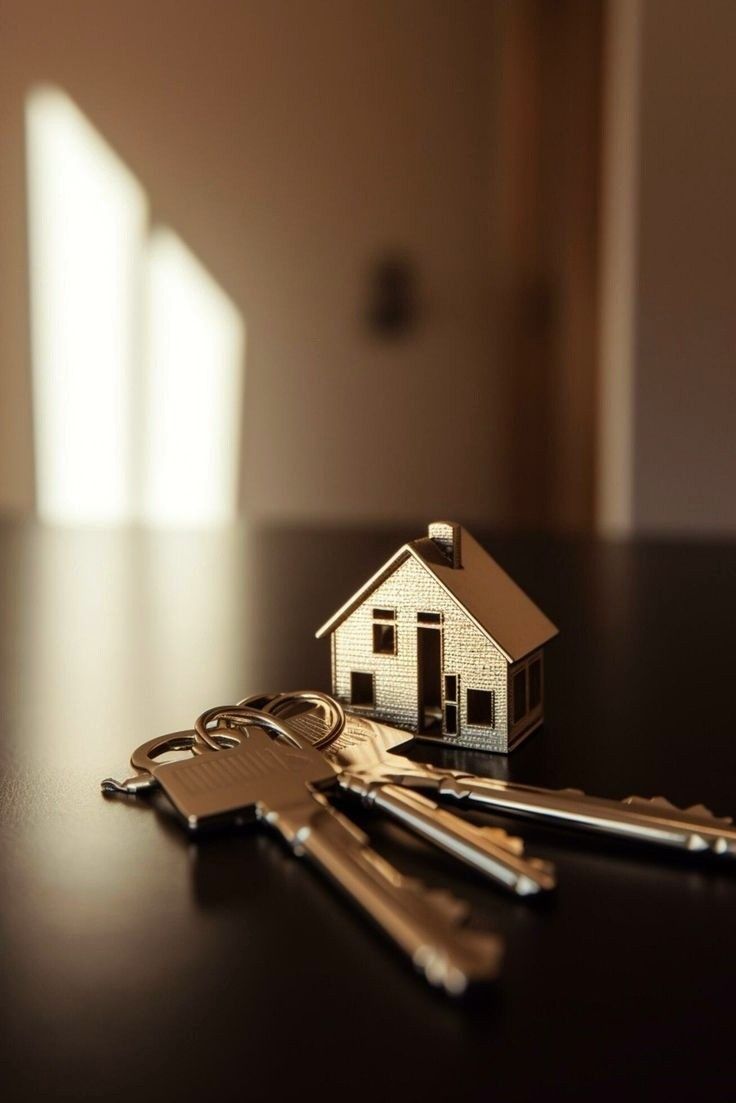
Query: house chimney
x=447, y=537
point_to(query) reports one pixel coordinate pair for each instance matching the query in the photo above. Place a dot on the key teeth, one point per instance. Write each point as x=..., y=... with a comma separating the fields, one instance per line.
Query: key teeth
x=483, y=963
x=543, y=866
x=657, y=802
x=692, y=810
x=501, y=838
x=701, y=810
x=481, y=954
x=455, y=910
x=439, y=972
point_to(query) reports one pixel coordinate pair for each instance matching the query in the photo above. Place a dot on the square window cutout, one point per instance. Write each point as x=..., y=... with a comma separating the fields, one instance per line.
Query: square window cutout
x=361, y=689
x=480, y=707
x=384, y=639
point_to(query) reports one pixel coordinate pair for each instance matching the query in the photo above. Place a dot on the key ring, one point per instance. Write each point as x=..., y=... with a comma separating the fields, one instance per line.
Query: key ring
x=283, y=704
x=242, y=717
x=255, y=709
x=144, y=758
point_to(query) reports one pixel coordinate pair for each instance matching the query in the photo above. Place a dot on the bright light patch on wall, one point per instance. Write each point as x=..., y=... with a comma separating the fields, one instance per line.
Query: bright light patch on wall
x=137, y=352
x=87, y=223
x=193, y=390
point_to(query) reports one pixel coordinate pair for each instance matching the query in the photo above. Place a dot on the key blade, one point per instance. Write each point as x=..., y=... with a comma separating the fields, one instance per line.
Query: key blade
x=489, y=851
x=363, y=751
x=449, y=955
x=656, y=822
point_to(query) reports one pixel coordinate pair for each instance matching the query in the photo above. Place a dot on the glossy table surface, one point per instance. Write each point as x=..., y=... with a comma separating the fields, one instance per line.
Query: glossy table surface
x=137, y=964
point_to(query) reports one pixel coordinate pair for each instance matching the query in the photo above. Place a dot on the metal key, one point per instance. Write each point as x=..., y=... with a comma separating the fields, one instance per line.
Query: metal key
x=274, y=781
x=644, y=819
x=351, y=746
x=649, y=820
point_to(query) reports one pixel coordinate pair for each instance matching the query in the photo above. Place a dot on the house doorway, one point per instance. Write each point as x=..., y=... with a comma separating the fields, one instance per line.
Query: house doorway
x=429, y=680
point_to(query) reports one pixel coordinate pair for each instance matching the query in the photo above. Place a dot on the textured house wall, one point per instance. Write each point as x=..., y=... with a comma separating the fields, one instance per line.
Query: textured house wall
x=467, y=653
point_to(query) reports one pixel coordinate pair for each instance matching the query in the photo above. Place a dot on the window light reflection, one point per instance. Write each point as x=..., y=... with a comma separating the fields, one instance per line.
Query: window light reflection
x=192, y=391
x=137, y=352
x=87, y=217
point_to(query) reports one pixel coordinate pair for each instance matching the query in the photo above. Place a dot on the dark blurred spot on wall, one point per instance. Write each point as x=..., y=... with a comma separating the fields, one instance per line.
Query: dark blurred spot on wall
x=392, y=297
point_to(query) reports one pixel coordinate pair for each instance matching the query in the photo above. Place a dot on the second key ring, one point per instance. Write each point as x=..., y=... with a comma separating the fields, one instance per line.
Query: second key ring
x=299, y=701
x=241, y=717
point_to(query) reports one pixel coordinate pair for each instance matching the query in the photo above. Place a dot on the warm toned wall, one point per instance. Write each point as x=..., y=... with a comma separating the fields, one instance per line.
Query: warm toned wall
x=684, y=393
x=288, y=143
x=547, y=216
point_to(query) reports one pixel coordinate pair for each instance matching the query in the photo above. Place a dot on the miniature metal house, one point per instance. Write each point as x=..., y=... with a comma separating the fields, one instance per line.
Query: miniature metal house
x=442, y=642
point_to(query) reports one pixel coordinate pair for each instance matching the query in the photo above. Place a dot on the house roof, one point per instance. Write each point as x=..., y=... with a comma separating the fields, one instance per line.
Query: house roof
x=499, y=607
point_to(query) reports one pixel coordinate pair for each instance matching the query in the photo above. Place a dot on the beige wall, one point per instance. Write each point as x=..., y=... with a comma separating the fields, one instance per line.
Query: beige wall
x=668, y=334
x=288, y=143
x=685, y=343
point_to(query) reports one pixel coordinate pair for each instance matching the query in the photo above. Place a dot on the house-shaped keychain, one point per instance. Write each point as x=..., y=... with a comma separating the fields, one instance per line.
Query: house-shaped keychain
x=442, y=642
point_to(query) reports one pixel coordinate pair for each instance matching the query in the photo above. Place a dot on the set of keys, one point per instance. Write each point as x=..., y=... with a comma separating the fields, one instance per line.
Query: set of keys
x=278, y=758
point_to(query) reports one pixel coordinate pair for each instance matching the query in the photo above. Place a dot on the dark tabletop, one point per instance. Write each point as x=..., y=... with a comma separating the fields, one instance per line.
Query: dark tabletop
x=137, y=964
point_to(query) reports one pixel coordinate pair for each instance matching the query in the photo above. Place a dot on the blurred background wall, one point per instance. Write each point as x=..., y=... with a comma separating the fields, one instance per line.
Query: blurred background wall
x=551, y=181
x=291, y=144
x=684, y=393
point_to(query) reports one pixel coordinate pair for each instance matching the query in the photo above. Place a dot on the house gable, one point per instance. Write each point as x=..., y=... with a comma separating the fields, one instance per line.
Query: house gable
x=480, y=587
x=473, y=660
